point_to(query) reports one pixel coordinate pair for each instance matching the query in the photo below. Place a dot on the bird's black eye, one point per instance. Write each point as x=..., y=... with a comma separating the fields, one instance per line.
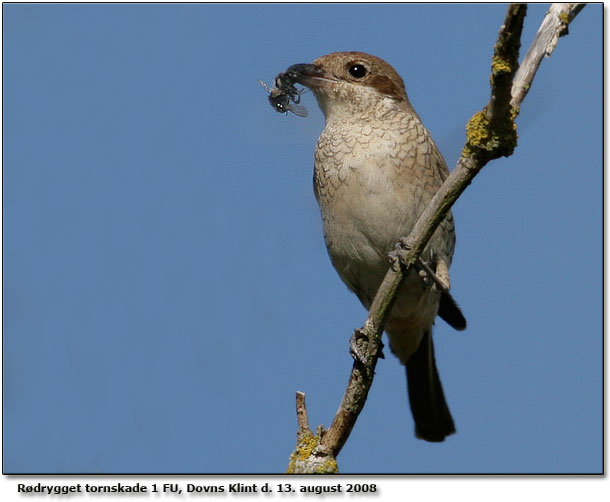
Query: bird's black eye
x=357, y=70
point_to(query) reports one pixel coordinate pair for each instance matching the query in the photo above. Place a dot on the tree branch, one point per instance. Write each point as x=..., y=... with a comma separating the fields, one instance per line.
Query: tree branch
x=490, y=134
x=554, y=25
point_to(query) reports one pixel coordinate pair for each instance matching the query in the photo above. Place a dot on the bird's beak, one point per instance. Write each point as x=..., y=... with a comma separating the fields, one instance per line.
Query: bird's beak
x=310, y=75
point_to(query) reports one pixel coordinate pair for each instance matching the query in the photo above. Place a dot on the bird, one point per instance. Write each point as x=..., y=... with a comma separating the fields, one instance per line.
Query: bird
x=376, y=168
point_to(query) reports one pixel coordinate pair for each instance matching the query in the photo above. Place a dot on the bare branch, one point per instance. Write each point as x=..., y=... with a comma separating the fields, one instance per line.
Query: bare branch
x=302, y=418
x=361, y=378
x=554, y=25
x=491, y=133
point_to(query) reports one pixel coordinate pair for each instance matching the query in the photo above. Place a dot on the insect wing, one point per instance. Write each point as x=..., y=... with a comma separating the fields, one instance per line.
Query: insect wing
x=298, y=110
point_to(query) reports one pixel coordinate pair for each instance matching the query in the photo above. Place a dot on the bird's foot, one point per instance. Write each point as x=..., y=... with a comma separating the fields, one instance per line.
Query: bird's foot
x=440, y=277
x=397, y=256
x=356, y=348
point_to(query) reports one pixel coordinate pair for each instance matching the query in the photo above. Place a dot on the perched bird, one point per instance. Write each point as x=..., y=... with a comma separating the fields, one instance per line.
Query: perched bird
x=375, y=170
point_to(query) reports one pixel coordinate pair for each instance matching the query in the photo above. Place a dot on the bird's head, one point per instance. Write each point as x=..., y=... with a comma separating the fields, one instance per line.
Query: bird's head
x=349, y=83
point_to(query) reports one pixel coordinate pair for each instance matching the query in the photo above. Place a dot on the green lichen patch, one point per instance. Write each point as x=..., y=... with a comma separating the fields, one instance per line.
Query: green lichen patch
x=487, y=144
x=500, y=66
x=477, y=133
x=306, y=459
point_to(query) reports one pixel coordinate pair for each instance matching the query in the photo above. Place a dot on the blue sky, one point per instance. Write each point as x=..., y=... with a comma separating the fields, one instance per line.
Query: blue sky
x=166, y=285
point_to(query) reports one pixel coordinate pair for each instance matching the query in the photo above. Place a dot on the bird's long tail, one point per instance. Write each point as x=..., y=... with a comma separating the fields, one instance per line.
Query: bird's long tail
x=433, y=420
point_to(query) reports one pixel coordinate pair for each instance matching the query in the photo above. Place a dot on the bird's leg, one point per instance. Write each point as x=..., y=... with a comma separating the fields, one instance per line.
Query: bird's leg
x=440, y=276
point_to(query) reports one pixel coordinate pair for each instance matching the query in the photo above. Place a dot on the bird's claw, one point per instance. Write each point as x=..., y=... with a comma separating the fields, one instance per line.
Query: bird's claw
x=397, y=256
x=354, y=349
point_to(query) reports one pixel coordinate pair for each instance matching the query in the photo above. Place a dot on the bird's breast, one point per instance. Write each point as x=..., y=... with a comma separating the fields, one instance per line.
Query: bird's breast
x=365, y=185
